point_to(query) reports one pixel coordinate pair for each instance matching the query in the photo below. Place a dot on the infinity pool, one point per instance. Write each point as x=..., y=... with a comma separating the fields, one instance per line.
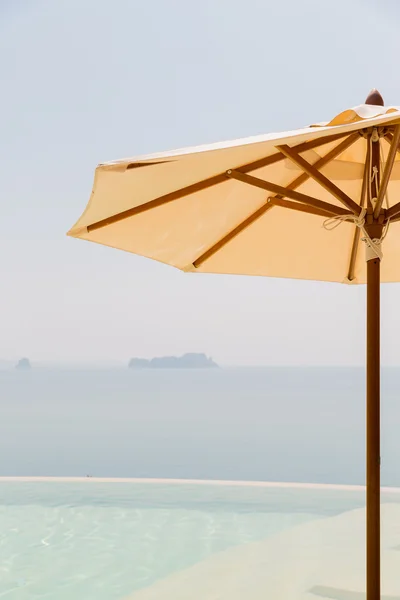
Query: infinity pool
x=96, y=540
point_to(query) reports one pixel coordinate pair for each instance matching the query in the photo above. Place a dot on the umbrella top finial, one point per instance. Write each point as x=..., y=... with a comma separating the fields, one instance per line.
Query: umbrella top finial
x=374, y=98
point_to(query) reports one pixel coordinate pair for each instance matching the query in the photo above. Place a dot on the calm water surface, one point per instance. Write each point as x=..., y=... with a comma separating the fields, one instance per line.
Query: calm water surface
x=240, y=424
x=107, y=541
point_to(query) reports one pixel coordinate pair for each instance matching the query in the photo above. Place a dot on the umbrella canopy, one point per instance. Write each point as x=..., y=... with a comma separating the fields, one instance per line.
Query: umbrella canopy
x=254, y=206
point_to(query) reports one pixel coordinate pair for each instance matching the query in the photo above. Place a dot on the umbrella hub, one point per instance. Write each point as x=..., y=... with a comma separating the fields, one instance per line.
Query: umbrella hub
x=374, y=98
x=374, y=230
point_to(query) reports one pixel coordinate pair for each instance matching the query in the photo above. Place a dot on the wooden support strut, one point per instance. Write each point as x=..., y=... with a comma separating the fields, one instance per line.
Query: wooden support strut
x=356, y=238
x=324, y=160
x=294, y=156
x=388, y=170
x=285, y=192
x=277, y=200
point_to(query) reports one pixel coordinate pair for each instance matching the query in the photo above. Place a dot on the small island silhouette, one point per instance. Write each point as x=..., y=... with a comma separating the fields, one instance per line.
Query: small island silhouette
x=187, y=361
x=23, y=364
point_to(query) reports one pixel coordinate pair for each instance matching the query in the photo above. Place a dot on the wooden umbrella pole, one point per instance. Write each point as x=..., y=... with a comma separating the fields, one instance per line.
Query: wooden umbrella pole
x=373, y=463
x=373, y=430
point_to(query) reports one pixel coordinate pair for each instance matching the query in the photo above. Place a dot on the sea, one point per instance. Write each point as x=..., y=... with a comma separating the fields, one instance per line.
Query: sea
x=254, y=424
x=118, y=484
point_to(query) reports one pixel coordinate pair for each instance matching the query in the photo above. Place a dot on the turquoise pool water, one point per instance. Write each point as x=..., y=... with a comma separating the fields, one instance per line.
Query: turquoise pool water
x=108, y=541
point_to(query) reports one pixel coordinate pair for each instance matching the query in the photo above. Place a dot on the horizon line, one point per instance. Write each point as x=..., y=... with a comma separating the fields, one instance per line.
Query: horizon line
x=119, y=364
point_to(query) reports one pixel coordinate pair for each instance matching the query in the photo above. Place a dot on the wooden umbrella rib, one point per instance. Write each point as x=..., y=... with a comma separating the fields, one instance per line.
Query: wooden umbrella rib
x=353, y=255
x=393, y=213
x=367, y=166
x=356, y=238
x=388, y=170
x=286, y=193
x=375, y=171
x=294, y=156
x=137, y=210
x=209, y=182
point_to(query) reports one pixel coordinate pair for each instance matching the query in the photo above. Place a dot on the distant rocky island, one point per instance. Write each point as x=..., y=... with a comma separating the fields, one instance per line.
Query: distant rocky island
x=187, y=361
x=23, y=364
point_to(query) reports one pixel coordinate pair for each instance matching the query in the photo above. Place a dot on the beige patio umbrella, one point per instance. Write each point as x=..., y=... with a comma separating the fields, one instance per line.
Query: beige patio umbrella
x=315, y=203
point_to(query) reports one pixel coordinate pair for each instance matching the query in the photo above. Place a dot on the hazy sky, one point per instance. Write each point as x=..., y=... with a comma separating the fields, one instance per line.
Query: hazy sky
x=85, y=81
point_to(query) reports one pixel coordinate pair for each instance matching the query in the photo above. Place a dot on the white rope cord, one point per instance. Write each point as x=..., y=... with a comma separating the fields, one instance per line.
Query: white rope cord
x=373, y=246
x=333, y=222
